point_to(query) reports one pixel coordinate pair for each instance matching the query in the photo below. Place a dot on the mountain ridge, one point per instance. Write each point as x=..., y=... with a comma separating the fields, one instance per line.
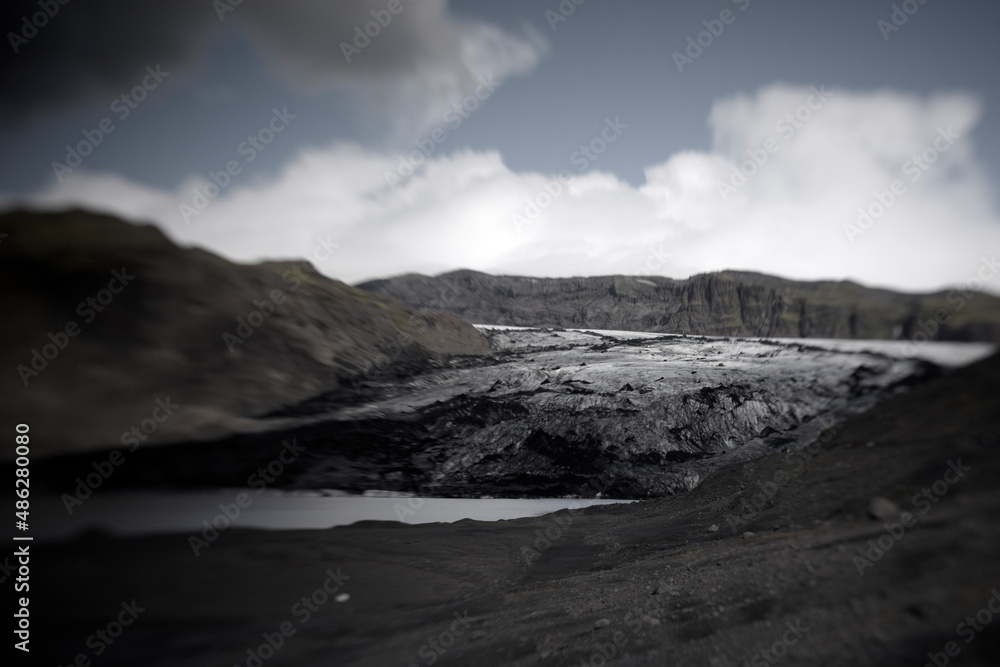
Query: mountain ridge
x=725, y=303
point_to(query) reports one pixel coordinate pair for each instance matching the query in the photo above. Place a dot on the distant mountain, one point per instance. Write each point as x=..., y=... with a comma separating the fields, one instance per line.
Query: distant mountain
x=108, y=325
x=727, y=303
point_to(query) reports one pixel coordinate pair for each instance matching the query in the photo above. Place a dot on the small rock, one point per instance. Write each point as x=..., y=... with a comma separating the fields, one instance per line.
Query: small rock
x=713, y=528
x=749, y=535
x=651, y=621
x=343, y=597
x=882, y=508
x=602, y=623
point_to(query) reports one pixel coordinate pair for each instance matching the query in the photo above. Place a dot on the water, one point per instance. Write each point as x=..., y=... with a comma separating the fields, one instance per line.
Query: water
x=148, y=513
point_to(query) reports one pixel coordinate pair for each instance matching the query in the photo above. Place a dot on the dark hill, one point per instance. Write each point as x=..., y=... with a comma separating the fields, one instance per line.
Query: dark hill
x=226, y=342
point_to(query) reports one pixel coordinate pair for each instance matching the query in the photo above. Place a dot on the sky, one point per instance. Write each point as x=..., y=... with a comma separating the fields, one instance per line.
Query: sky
x=853, y=140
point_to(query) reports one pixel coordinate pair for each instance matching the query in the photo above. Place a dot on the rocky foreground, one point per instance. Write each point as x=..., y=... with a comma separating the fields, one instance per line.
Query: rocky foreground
x=820, y=502
x=876, y=544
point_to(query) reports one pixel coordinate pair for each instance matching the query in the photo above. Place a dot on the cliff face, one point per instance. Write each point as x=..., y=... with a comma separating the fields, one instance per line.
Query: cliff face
x=106, y=323
x=728, y=303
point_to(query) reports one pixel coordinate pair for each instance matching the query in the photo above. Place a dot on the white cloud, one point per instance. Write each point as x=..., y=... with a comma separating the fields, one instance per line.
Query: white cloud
x=453, y=57
x=788, y=219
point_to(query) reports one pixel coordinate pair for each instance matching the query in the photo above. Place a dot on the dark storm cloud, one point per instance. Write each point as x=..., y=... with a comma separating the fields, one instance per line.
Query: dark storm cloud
x=59, y=55
x=90, y=49
x=308, y=37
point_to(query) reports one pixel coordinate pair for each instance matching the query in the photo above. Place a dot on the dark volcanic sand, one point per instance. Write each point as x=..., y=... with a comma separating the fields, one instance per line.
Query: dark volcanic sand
x=652, y=576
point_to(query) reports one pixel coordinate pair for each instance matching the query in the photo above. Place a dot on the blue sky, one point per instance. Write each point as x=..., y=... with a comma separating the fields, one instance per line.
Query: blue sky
x=490, y=197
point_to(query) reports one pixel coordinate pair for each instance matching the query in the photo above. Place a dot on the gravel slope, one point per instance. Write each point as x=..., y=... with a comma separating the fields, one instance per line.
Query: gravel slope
x=697, y=579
